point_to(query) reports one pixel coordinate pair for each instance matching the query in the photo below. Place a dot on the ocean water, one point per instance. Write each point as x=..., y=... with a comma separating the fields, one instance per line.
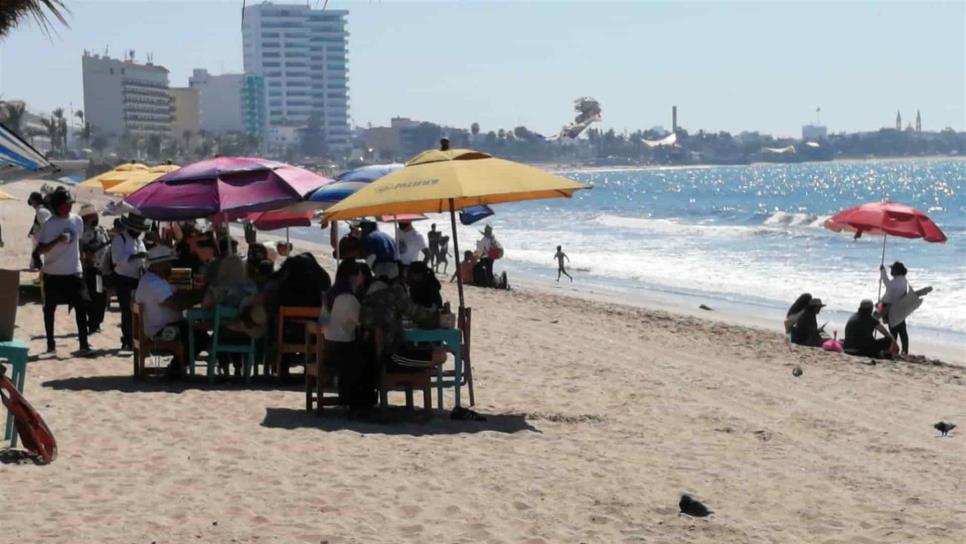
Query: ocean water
x=747, y=238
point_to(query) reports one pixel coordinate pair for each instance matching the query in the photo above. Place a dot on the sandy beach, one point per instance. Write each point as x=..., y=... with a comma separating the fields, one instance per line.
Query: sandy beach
x=600, y=415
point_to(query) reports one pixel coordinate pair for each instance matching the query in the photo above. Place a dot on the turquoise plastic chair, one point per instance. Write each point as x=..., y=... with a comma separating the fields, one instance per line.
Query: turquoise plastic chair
x=224, y=315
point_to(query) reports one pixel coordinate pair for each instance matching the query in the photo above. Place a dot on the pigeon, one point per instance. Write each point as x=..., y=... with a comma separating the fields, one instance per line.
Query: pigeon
x=692, y=507
x=797, y=371
x=944, y=427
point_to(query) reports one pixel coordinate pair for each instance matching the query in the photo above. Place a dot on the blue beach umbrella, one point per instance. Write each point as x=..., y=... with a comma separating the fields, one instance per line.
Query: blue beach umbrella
x=348, y=183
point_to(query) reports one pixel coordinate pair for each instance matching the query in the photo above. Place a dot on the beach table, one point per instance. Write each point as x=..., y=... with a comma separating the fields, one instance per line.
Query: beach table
x=14, y=351
x=452, y=338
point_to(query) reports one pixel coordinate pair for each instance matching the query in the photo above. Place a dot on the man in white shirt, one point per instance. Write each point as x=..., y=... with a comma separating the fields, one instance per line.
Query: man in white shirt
x=41, y=215
x=163, y=306
x=63, y=282
x=127, y=254
x=412, y=245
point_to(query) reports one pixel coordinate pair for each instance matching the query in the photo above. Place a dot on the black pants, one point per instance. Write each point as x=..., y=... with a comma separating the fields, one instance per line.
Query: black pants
x=95, y=311
x=357, y=378
x=871, y=349
x=900, y=333
x=69, y=290
x=124, y=288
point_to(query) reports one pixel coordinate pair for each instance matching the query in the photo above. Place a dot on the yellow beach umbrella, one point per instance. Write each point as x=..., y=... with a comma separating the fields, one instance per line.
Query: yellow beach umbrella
x=449, y=180
x=113, y=177
x=140, y=179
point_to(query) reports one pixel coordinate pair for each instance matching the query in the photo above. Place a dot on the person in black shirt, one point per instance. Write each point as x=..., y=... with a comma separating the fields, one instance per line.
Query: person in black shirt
x=424, y=288
x=860, y=334
x=806, y=332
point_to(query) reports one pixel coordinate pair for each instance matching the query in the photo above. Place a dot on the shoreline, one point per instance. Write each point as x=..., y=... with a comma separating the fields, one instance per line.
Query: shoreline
x=680, y=305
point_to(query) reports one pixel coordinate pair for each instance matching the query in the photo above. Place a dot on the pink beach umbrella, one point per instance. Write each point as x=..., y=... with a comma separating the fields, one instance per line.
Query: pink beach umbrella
x=226, y=187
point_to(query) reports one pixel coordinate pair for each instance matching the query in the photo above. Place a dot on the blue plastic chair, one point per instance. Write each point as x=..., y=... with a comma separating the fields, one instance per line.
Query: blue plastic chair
x=223, y=316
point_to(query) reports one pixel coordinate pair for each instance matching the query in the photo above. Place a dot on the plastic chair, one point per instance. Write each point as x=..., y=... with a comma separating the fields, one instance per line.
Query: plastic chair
x=144, y=345
x=291, y=313
x=319, y=379
x=224, y=315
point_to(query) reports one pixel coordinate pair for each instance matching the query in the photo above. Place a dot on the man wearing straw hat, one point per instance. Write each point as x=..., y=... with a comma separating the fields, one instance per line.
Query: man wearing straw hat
x=63, y=283
x=95, y=242
x=127, y=253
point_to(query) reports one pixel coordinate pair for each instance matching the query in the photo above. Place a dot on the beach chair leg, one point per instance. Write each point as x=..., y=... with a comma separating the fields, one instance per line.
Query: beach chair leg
x=383, y=398
x=308, y=392
x=212, y=365
x=439, y=386
x=409, y=397
x=468, y=372
x=428, y=401
x=319, y=390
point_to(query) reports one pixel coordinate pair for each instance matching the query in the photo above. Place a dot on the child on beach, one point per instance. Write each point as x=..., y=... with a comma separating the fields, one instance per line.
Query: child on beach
x=561, y=269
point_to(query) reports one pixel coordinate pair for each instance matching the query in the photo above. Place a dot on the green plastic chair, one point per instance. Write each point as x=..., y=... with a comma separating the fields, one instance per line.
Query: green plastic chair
x=224, y=315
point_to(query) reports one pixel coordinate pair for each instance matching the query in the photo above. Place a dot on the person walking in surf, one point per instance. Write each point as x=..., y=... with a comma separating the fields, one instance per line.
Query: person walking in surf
x=561, y=268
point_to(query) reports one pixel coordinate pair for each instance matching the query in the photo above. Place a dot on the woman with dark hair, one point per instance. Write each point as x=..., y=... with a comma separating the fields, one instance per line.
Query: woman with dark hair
x=896, y=288
x=424, y=288
x=806, y=331
x=340, y=319
x=795, y=311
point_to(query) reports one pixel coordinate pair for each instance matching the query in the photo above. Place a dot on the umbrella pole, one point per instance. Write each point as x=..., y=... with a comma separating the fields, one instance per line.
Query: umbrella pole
x=881, y=264
x=456, y=250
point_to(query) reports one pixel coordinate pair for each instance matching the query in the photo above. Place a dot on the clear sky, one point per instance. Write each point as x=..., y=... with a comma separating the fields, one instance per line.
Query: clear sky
x=726, y=65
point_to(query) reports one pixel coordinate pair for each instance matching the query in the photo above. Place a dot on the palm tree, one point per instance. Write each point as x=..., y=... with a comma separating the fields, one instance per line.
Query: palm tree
x=61, y=123
x=475, y=129
x=13, y=12
x=12, y=114
x=50, y=129
x=186, y=134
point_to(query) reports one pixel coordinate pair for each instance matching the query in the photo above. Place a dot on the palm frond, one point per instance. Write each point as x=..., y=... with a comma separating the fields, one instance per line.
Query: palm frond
x=43, y=12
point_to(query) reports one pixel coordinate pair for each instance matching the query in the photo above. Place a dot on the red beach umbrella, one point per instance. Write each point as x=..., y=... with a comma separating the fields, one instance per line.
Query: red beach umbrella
x=886, y=218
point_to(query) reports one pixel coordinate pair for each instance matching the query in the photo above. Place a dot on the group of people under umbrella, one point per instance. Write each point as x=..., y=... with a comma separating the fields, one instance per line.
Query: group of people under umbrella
x=229, y=188
x=888, y=315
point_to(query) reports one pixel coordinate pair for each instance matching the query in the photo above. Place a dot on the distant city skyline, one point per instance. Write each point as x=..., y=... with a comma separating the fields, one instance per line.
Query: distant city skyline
x=727, y=66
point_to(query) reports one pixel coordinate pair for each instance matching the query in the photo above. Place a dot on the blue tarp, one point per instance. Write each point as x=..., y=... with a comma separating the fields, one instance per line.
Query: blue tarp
x=14, y=150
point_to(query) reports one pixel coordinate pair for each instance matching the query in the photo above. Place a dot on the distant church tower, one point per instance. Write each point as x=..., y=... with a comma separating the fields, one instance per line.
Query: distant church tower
x=918, y=122
x=898, y=120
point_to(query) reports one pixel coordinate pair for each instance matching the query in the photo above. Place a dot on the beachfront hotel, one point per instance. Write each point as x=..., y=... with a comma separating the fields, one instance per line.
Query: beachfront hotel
x=125, y=96
x=300, y=53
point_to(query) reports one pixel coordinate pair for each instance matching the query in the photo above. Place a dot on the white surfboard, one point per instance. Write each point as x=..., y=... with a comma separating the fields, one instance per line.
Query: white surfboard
x=909, y=303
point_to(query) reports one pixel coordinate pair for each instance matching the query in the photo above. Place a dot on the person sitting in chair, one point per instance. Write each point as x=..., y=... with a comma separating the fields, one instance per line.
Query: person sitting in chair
x=163, y=307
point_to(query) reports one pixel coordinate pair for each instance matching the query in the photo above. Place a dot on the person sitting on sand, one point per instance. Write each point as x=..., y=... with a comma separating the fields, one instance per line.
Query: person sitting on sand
x=860, y=334
x=465, y=269
x=795, y=311
x=806, y=331
x=163, y=306
x=561, y=269
x=896, y=288
x=424, y=288
x=340, y=319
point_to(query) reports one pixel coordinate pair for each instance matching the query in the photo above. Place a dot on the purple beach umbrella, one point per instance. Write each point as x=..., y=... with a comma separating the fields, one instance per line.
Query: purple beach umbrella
x=224, y=186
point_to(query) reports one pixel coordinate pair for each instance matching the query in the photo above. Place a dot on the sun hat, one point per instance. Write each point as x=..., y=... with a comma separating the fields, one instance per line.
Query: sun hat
x=135, y=222
x=159, y=254
x=898, y=269
x=87, y=209
x=816, y=302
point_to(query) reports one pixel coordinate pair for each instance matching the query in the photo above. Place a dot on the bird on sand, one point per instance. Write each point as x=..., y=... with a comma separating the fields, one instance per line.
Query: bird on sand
x=944, y=427
x=692, y=507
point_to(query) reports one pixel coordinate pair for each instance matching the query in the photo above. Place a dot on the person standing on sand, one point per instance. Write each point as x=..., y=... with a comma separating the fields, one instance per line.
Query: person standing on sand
x=95, y=242
x=63, y=281
x=896, y=288
x=433, y=236
x=561, y=269
x=41, y=215
x=127, y=254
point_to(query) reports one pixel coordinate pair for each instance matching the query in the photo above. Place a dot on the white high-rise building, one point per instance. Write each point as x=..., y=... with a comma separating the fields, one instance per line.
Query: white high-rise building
x=301, y=55
x=219, y=100
x=126, y=97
